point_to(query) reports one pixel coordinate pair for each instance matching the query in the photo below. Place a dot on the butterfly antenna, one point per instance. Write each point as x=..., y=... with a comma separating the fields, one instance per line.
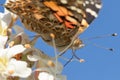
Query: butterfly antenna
x=110, y=49
x=55, y=51
x=103, y=36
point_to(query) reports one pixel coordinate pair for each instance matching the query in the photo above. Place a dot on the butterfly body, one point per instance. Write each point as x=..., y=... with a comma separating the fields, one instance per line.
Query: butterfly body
x=66, y=19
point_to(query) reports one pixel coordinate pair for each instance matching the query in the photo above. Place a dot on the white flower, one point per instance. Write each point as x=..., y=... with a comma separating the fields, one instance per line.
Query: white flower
x=45, y=76
x=7, y=20
x=3, y=40
x=48, y=76
x=3, y=26
x=47, y=67
x=3, y=30
x=17, y=68
x=10, y=66
x=44, y=61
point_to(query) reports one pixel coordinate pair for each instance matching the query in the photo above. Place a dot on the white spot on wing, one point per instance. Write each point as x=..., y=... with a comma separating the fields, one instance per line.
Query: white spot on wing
x=98, y=6
x=79, y=10
x=73, y=8
x=93, y=13
x=64, y=1
x=86, y=2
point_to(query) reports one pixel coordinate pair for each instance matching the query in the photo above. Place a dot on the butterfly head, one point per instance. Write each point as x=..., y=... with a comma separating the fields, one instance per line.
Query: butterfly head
x=77, y=44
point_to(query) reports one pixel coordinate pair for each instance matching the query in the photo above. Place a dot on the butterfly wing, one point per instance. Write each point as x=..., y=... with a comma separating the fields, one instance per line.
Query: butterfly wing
x=66, y=19
x=76, y=15
x=75, y=12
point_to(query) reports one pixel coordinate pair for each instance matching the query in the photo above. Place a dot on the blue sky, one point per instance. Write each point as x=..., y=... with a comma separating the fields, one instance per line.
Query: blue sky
x=100, y=64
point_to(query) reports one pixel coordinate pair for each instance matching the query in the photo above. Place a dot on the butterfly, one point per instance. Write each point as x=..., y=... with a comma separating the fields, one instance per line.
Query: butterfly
x=61, y=20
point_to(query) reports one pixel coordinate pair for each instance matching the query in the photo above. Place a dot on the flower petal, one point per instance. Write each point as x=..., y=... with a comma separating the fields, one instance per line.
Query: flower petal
x=15, y=50
x=3, y=40
x=5, y=19
x=20, y=68
x=45, y=76
x=33, y=57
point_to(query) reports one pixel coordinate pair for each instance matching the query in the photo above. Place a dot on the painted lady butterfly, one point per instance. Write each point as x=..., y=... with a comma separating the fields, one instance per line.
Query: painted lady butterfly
x=66, y=19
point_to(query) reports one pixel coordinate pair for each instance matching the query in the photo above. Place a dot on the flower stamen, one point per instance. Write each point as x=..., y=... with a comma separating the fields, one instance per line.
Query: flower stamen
x=50, y=63
x=11, y=71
